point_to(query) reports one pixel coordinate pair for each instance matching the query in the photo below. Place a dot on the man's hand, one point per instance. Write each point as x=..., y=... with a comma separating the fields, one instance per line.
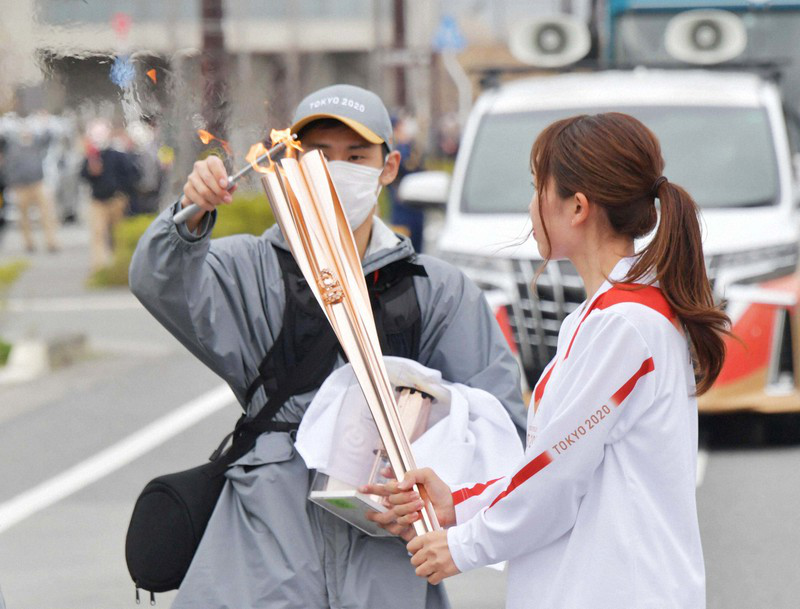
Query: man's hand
x=431, y=557
x=405, y=503
x=388, y=520
x=207, y=187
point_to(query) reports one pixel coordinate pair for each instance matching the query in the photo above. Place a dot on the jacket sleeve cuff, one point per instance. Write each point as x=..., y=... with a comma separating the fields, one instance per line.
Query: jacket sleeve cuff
x=203, y=230
x=465, y=549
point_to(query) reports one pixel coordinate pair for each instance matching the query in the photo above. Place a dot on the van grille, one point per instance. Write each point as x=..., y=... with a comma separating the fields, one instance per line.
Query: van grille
x=536, y=314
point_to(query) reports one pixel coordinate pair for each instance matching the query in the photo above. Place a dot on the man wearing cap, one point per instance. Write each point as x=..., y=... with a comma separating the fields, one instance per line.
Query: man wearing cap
x=240, y=305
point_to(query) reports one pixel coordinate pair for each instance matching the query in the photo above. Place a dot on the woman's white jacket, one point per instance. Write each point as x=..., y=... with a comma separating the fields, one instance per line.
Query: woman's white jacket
x=601, y=510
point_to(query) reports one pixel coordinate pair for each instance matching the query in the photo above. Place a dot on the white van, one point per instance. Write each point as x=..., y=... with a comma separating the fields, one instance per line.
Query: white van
x=725, y=137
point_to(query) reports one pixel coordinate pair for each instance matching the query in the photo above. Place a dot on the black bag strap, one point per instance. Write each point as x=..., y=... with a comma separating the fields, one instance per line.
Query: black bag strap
x=395, y=307
x=286, y=381
x=248, y=429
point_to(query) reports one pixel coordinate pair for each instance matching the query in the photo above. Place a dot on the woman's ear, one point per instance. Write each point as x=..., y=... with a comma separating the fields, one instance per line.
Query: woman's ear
x=580, y=209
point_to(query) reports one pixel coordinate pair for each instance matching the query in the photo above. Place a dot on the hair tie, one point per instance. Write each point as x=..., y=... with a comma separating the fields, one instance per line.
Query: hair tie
x=656, y=185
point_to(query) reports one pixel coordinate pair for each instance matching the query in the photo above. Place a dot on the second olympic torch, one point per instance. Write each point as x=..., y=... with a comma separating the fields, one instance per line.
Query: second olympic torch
x=310, y=215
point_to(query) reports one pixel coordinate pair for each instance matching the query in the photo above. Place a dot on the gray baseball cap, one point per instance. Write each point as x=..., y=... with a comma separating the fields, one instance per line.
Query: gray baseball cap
x=359, y=109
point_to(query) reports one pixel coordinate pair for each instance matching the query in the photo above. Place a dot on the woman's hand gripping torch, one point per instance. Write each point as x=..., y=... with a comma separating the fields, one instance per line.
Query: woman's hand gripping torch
x=191, y=210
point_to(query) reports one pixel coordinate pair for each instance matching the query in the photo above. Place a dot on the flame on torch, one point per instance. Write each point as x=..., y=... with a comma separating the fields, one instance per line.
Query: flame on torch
x=206, y=137
x=257, y=150
x=285, y=136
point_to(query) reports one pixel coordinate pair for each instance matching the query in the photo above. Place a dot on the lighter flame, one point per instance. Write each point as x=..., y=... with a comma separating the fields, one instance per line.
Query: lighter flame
x=206, y=137
x=285, y=136
x=256, y=151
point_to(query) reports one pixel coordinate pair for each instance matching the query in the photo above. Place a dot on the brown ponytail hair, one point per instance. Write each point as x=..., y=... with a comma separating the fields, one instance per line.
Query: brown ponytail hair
x=616, y=162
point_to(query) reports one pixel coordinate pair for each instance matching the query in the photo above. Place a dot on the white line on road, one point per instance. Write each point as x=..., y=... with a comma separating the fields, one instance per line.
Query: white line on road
x=121, y=302
x=702, y=463
x=112, y=458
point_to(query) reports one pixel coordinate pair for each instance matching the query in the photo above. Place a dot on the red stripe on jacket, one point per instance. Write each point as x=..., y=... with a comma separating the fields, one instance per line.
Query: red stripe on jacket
x=646, y=295
x=538, y=391
x=465, y=493
x=625, y=390
x=526, y=473
x=544, y=459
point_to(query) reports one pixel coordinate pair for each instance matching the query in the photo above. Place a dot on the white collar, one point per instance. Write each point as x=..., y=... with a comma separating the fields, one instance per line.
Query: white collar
x=617, y=274
x=621, y=269
x=382, y=238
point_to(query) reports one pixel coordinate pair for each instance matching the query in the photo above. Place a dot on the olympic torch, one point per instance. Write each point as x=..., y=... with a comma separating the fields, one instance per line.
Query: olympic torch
x=310, y=215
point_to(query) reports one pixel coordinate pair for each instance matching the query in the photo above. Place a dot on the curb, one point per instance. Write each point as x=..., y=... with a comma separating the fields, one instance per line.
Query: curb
x=33, y=357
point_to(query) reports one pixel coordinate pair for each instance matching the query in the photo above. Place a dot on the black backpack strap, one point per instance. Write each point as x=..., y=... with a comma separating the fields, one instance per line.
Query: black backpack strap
x=295, y=379
x=395, y=307
x=247, y=429
x=306, y=347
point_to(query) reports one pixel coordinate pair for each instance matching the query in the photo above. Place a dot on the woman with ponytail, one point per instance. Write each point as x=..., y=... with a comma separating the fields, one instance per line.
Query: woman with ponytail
x=601, y=511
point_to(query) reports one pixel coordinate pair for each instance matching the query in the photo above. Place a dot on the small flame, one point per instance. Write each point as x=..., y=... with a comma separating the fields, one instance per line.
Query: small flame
x=285, y=136
x=256, y=151
x=206, y=137
x=152, y=75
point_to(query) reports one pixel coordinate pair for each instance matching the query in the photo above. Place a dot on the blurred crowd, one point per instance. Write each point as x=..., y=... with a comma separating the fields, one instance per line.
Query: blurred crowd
x=57, y=169
x=410, y=141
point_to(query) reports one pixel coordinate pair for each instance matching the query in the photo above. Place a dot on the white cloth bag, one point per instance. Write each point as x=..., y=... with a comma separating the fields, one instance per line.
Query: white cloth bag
x=470, y=436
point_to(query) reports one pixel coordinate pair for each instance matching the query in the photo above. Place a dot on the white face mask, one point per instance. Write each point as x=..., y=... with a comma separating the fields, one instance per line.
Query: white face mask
x=358, y=188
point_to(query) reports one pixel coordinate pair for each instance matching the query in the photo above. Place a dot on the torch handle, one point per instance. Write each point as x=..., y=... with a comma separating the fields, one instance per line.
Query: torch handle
x=186, y=213
x=433, y=521
x=190, y=210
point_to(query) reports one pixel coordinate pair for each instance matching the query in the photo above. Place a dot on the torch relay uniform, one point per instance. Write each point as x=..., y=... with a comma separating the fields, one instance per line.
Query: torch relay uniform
x=266, y=545
x=601, y=511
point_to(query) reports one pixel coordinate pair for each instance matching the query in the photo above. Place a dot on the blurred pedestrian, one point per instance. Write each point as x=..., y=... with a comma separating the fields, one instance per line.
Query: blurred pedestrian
x=24, y=177
x=151, y=170
x=448, y=135
x=2, y=184
x=122, y=141
x=404, y=216
x=110, y=174
x=62, y=166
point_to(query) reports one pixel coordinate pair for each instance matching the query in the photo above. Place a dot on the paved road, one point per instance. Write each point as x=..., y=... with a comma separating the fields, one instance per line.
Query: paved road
x=70, y=554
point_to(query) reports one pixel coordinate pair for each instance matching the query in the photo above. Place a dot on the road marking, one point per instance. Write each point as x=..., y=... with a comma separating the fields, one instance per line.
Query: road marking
x=702, y=463
x=112, y=458
x=148, y=348
x=121, y=302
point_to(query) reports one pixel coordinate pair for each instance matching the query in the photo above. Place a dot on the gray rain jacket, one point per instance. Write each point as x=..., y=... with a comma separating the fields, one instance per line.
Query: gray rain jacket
x=266, y=545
